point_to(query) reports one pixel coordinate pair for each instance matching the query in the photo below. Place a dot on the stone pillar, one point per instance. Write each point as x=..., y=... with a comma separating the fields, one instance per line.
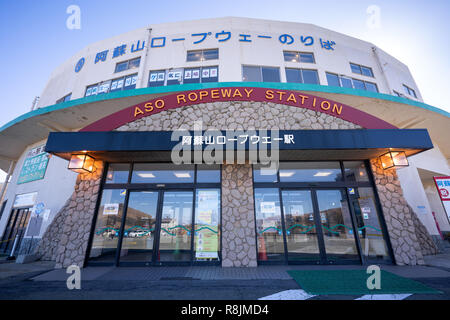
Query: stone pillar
x=238, y=217
x=66, y=238
x=402, y=224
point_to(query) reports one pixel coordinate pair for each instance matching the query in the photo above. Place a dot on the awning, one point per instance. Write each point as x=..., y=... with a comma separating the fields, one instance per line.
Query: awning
x=358, y=144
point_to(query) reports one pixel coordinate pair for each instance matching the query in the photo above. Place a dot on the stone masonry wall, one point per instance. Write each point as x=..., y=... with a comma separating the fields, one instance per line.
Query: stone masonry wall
x=409, y=238
x=66, y=238
x=238, y=217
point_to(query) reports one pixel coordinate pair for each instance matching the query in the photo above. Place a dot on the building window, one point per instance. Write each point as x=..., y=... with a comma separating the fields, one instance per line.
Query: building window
x=260, y=74
x=122, y=83
x=409, y=91
x=65, y=98
x=346, y=82
x=202, y=55
x=150, y=223
x=160, y=78
x=302, y=76
x=294, y=56
x=336, y=220
x=362, y=70
x=126, y=65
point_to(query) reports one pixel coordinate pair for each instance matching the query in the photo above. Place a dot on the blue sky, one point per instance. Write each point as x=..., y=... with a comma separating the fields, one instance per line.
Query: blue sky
x=34, y=38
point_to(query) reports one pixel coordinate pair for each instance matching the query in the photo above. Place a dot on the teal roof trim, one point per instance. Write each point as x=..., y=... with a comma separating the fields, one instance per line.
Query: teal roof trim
x=198, y=86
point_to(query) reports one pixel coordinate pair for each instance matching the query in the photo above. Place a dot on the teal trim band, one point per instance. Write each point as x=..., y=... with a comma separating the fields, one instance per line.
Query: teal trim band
x=198, y=86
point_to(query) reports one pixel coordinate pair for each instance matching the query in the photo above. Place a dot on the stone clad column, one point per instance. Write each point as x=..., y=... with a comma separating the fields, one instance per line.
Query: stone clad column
x=238, y=217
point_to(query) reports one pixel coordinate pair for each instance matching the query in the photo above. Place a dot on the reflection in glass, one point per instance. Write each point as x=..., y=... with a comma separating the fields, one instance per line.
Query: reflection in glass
x=176, y=227
x=310, y=171
x=139, y=231
x=264, y=174
x=107, y=226
x=117, y=173
x=336, y=225
x=368, y=224
x=355, y=171
x=207, y=224
x=301, y=233
x=268, y=224
x=208, y=173
x=162, y=173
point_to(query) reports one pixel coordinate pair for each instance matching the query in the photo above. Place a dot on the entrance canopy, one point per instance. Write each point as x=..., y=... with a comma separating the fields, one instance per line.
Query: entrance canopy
x=293, y=144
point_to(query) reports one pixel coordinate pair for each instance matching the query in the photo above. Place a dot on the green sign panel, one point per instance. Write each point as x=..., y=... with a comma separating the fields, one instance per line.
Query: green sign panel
x=33, y=168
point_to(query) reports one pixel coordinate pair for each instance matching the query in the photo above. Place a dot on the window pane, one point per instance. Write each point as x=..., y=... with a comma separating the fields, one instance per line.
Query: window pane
x=174, y=77
x=310, y=76
x=207, y=225
x=270, y=74
x=355, y=68
x=346, y=82
x=191, y=76
x=162, y=173
x=262, y=174
x=118, y=173
x=368, y=223
x=134, y=63
x=121, y=66
x=359, y=84
x=107, y=226
x=367, y=71
x=355, y=171
x=156, y=78
x=290, y=56
x=269, y=228
x=333, y=80
x=208, y=173
x=310, y=171
x=371, y=87
x=307, y=57
x=211, y=54
x=252, y=74
x=213, y=75
x=293, y=75
x=194, y=55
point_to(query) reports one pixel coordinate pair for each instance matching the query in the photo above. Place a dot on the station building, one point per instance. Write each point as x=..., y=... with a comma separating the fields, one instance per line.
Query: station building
x=232, y=142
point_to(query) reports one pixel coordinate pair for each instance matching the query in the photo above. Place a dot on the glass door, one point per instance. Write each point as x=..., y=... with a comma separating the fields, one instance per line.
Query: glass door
x=302, y=236
x=140, y=227
x=337, y=228
x=175, y=231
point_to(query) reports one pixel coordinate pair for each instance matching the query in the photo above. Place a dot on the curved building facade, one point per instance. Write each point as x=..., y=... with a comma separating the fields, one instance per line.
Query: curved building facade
x=230, y=141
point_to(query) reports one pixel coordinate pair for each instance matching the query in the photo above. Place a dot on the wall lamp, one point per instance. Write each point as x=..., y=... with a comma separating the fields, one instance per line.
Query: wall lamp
x=394, y=159
x=81, y=163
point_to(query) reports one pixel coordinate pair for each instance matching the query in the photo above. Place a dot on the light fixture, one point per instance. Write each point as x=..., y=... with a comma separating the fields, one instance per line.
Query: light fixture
x=146, y=175
x=394, y=159
x=182, y=175
x=322, y=174
x=286, y=174
x=81, y=163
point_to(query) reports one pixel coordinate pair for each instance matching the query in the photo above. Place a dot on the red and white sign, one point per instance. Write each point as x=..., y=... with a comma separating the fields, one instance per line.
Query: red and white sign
x=443, y=186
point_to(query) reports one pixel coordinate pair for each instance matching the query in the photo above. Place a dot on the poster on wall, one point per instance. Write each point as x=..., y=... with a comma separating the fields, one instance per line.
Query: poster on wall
x=34, y=165
x=443, y=186
x=111, y=209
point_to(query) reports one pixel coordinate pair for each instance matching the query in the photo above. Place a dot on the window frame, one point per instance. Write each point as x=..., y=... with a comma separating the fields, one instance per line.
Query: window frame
x=127, y=63
x=260, y=68
x=202, y=54
x=299, y=53
x=360, y=67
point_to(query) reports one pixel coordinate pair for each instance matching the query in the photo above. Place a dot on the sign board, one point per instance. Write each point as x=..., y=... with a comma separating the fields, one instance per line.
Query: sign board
x=443, y=186
x=34, y=166
x=25, y=200
x=111, y=209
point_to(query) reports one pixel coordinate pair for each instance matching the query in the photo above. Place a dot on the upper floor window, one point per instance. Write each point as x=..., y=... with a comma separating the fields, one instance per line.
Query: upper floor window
x=362, y=70
x=202, y=55
x=294, y=56
x=302, y=76
x=129, y=64
x=187, y=75
x=409, y=91
x=65, y=98
x=346, y=82
x=122, y=83
x=260, y=74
